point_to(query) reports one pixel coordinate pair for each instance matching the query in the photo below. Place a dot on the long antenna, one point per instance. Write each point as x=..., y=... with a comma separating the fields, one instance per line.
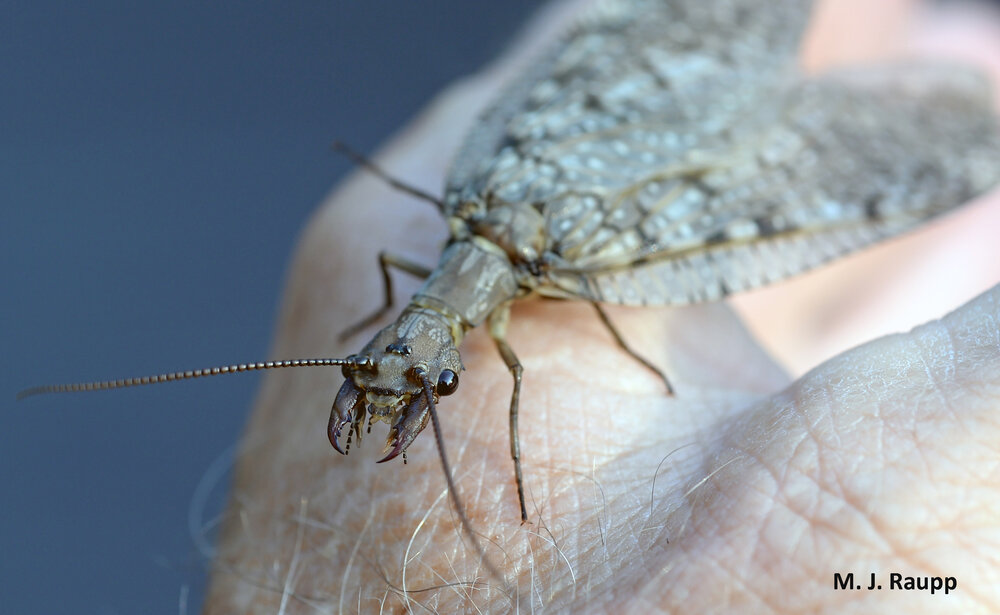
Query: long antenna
x=452, y=491
x=363, y=161
x=184, y=375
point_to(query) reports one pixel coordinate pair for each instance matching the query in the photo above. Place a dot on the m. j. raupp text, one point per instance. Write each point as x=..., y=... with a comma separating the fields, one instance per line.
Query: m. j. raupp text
x=897, y=581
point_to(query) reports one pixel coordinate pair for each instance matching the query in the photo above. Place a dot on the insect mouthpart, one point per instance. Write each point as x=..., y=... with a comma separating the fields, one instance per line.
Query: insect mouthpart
x=385, y=400
x=405, y=413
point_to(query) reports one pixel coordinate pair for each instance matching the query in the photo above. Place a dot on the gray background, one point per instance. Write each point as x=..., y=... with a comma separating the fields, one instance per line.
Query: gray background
x=156, y=166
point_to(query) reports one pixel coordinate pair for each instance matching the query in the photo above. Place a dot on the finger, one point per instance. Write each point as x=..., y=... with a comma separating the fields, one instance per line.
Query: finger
x=844, y=32
x=883, y=456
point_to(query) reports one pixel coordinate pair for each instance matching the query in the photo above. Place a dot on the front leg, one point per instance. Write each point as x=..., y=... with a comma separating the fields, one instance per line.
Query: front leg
x=498, y=320
x=386, y=260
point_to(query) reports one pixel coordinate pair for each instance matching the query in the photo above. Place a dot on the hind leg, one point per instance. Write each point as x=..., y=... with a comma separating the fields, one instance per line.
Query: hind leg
x=621, y=342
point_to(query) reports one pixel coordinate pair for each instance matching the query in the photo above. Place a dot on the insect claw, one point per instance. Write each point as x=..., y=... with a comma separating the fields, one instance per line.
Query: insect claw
x=410, y=423
x=348, y=408
x=333, y=432
x=397, y=445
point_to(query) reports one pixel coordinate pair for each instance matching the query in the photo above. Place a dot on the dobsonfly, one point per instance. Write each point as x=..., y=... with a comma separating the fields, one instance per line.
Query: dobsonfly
x=664, y=152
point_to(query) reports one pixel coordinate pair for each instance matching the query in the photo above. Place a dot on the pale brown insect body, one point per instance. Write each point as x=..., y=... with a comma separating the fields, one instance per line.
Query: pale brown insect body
x=665, y=152
x=425, y=337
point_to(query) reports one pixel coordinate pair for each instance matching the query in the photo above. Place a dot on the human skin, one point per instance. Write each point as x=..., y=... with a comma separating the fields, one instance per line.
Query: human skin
x=744, y=492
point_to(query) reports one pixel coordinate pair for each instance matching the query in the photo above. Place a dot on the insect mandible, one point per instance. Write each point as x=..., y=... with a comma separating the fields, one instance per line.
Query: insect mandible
x=661, y=153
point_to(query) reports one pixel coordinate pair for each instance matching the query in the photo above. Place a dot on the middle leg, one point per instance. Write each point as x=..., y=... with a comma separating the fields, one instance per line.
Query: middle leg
x=498, y=331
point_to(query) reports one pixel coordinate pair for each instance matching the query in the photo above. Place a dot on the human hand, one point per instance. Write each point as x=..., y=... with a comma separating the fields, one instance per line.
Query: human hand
x=745, y=491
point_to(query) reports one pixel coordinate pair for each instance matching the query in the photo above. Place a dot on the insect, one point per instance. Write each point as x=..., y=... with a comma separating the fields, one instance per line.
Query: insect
x=661, y=153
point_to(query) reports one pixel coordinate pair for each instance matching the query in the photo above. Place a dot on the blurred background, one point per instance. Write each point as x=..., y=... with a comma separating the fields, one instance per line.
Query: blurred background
x=157, y=162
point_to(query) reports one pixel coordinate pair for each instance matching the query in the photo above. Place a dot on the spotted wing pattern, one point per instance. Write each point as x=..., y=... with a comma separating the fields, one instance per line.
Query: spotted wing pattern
x=625, y=63
x=846, y=161
x=675, y=159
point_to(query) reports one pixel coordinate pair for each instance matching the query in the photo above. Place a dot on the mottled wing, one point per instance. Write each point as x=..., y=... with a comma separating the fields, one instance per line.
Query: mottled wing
x=830, y=166
x=627, y=64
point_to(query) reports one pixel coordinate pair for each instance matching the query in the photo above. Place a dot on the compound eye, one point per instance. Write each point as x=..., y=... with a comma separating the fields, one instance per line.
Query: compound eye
x=447, y=382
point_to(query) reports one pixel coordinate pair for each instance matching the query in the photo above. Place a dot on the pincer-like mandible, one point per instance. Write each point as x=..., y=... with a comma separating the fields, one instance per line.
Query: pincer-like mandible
x=348, y=408
x=410, y=423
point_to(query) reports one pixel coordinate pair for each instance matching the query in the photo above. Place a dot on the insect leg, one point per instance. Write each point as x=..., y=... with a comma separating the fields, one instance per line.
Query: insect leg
x=621, y=342
x=386, y=260
x=498, y=331
x=363, y=161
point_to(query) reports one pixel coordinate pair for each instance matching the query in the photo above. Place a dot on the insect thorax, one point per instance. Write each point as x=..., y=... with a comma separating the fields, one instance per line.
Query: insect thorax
x=474, y=277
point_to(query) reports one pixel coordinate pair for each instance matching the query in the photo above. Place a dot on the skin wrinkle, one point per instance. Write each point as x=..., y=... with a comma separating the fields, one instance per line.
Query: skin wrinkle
x=825, y=469
x=822, y=469
x=940, y=387
x=879, y=531
x=929, y=360
x=838, y=527
x=757, y=557
x=930, y=463
x=747, y=589
x=974, y=365
x=801, y=411
x=861, y=506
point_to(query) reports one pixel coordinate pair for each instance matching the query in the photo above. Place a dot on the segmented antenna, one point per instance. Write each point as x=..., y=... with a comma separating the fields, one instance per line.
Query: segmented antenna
x=363, y=161
x=452, y=491
x=185, y=375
